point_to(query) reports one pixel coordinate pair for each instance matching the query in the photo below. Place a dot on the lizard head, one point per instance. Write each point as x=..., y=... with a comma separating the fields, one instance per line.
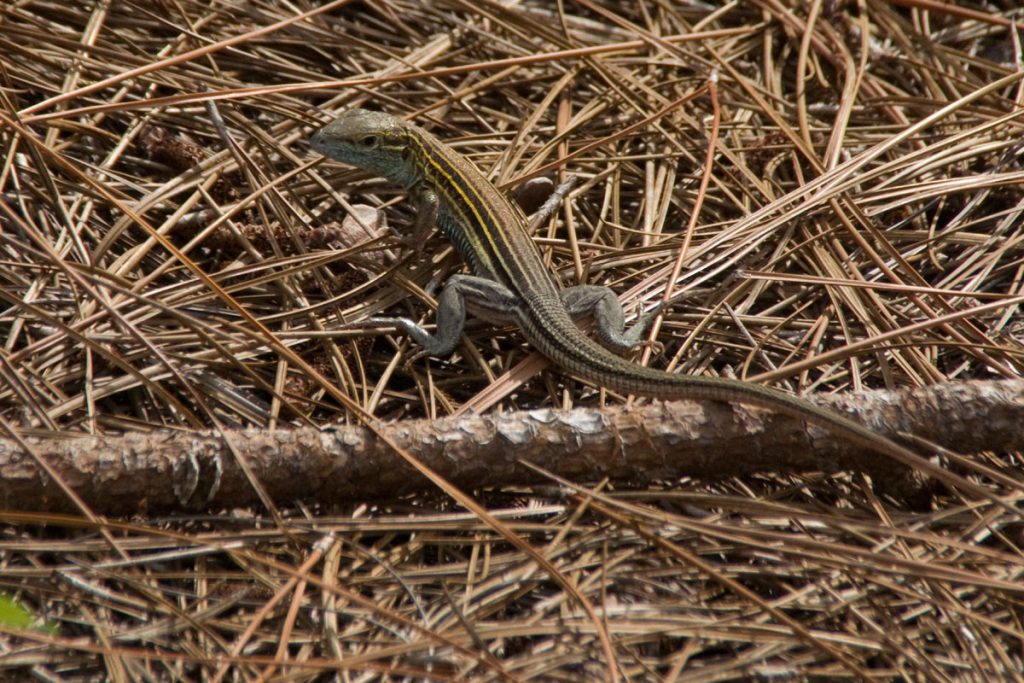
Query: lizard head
x=372, y=140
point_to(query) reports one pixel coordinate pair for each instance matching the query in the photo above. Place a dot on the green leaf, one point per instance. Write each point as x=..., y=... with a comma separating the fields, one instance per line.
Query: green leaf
x=14, y=616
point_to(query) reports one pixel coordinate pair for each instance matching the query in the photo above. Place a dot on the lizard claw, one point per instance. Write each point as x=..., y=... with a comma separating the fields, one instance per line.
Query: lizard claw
x=412, y=358
x=654, y=345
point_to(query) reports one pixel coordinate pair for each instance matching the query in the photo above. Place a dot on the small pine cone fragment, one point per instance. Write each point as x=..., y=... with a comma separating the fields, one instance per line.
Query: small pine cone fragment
x=181, y=155
x=228, y=240
x=170, y=150
x=227, y=190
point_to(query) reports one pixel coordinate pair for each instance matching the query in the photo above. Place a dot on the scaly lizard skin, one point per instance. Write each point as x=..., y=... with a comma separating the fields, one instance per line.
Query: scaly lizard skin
x=512, y=284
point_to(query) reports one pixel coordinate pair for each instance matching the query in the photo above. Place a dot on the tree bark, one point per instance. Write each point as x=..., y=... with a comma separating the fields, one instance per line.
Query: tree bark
x=172, y=470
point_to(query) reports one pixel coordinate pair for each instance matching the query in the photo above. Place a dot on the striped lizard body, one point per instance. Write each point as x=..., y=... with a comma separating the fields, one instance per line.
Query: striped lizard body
x=510, y=282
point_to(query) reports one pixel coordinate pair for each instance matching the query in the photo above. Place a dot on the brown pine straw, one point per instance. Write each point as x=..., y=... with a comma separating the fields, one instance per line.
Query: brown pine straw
x=175, y=258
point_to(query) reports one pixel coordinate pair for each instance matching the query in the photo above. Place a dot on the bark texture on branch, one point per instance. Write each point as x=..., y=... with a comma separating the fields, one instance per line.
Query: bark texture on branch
x=174, y=470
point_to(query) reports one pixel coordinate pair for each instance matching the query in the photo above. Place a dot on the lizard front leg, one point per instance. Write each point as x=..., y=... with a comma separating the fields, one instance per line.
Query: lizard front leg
x=427, y=203
x=484, y=298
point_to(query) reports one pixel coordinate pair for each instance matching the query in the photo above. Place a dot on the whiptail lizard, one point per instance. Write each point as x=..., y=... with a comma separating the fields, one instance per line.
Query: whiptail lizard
x=512, y=284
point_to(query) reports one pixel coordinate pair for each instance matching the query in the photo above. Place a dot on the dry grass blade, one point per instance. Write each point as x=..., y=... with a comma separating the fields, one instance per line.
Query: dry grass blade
x=173, y=257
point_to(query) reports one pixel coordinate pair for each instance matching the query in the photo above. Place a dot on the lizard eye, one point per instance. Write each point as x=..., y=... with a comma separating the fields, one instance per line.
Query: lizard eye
x=369, y=141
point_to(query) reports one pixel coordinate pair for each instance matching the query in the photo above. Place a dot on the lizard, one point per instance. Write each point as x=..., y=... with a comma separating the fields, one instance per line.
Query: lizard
x=511, y=284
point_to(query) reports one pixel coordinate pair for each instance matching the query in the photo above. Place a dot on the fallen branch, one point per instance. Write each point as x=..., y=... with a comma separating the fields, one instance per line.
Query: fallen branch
x=174, y=470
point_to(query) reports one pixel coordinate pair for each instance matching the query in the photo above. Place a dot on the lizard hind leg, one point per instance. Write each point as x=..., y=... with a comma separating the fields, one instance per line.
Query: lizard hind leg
x=603, y=306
